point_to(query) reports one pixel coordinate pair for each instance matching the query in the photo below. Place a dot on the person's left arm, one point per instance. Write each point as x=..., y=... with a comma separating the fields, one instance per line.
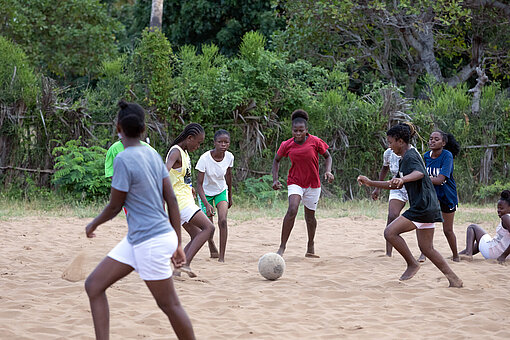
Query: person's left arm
x=117, y=199
x=505, y=223
x=329, y=162
x=445, y=171
x=228, y=179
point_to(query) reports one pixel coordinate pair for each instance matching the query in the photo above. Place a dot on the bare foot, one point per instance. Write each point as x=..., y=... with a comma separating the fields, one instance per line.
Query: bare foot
x=312, y=255
x=410, y=272
x=281, y=251
x=221, y=260
x=463, y=252
x=388, y=254
x=465, y=257
x=454, y=280
x=422, y=258
x=213, y=250
x=186, y=269
x=214, y=255
x=456, y=259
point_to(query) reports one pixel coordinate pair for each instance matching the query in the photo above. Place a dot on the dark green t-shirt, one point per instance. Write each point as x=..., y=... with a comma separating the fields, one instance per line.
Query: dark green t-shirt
x=423, y=203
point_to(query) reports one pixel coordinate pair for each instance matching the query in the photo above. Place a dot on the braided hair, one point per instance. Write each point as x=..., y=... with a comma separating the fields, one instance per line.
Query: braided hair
x=131, y=118
x=192, y=129
x=299, y=116
x=451, y=143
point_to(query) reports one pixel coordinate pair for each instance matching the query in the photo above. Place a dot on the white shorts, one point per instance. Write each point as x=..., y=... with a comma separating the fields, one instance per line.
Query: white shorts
x=151, y=258
x=309, y=196
x=420, y=225
x=485, y=250
x=188, y=213
x=399, y=194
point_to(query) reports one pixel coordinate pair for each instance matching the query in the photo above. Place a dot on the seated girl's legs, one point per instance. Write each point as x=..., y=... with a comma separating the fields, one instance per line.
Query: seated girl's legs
x=107, y=272
x=450, y=235
x=311, y=226
x=200, y=221
x=288, y=221
x=394, y=208
x=425, y=242
x=473, y=235
x=166, y=298
x=392, y=234
x=222, y=208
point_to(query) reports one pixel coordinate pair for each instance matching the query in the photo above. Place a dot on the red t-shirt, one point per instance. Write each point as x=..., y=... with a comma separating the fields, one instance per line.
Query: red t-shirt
x=304, y=158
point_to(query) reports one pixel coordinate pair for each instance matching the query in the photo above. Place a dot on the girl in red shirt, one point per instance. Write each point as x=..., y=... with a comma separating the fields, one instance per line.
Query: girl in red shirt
x=303, y=180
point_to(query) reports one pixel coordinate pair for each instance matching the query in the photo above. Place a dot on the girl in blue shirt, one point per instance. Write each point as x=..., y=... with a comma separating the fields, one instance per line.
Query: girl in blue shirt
x=439, y=163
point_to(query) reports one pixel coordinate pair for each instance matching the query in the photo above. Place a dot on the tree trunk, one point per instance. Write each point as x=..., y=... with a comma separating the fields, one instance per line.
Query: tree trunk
x=156, y=15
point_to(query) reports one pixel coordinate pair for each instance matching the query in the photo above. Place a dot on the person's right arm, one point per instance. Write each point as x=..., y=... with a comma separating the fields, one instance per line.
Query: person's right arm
x=276, y=166
x=201, y=193
x=179, y=257
x=382, y=176
x=173, y=159
x=117, y=199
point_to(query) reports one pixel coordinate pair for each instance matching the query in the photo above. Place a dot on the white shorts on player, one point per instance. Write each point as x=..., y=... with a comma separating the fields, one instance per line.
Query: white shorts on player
x=309, y=196
x=150, y=258
x=399, y=194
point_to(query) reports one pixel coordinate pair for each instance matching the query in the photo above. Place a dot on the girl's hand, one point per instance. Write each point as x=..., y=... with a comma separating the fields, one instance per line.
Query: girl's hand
x=277, y=185
x=89, y=230
x=375, y=194
x=179, y=257
x=396, y=183
x=363, y=180
x=209, y=210
x=329, y=176
x=194, y=193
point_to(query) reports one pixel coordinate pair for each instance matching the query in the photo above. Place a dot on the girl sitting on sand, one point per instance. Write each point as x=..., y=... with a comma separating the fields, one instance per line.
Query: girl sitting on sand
x=497, y=247
x=303, y=180
x=214, y=184
x=193, y=220
x=423, y=209
x=140, y=182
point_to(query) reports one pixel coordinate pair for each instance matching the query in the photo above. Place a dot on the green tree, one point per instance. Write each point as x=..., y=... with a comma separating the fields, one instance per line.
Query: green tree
x=205, y=21
x=65, y=38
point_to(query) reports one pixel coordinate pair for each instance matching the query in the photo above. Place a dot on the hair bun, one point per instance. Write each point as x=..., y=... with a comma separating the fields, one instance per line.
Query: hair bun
x=505, y=195
x=122, y=104
x=299, y=114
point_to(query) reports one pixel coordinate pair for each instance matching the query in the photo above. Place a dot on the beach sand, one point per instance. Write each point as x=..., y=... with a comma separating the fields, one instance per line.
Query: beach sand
x=351, y=292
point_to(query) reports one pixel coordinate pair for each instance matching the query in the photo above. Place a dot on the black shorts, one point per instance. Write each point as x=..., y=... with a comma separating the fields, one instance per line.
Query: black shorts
x=447, y=207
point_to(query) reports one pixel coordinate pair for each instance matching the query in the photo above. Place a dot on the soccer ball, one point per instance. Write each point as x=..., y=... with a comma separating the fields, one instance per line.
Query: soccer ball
x=271, y=266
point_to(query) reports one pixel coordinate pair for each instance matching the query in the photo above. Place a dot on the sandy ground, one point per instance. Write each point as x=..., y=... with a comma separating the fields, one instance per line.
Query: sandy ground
x=351, y=292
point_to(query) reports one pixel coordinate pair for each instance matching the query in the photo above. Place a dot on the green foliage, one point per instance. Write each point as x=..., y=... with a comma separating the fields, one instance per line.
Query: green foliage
x=261, y=190
x=79, y=170
x=17, y=79
x=492, y=192
x=208, y=22
x=62, y=37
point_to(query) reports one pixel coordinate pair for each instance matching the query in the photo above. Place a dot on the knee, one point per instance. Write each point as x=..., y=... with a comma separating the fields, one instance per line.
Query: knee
x=168, y=306
x=292, y=212
x=392, y=216
x=426, y=249
x=222, y=224
x=92, y=288
x=388, y=234
x=210, y=228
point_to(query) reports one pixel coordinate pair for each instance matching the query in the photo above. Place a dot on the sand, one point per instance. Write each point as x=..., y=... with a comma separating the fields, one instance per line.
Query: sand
x=351, y=292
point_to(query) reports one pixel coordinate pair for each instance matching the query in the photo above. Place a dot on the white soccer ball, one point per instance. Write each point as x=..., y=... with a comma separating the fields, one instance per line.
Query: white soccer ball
x=271, y=266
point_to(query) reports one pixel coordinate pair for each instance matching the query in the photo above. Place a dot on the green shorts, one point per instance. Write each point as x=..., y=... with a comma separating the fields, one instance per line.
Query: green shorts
x=213, y=200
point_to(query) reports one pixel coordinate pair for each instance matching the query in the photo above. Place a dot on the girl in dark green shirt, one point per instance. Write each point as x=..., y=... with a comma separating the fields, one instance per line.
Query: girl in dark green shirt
x=423, y=209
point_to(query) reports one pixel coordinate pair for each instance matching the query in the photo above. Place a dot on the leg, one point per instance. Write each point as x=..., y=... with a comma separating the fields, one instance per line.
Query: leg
x=222, y=208
x=473, y=235
x=425, y=241
x=311, y=226
x=394, y=208
x=392, y=234
x=288, y=221
x=202, y=223
x=450, y=235
x=107, y=272
x=166, y=298
x=192, y=231
x=213, y=251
